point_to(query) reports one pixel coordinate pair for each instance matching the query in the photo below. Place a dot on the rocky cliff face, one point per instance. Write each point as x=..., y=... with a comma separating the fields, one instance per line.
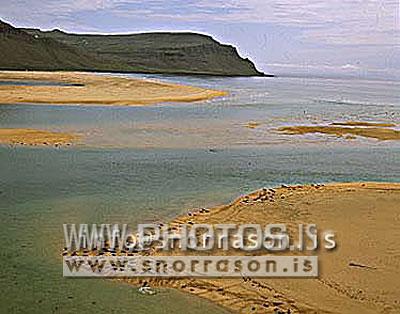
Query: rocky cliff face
x=173, y=53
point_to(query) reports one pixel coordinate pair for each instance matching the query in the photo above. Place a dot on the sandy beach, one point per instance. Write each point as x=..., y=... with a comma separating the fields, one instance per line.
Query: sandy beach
x=360, y=276
x=89, y=89
x=36, y=137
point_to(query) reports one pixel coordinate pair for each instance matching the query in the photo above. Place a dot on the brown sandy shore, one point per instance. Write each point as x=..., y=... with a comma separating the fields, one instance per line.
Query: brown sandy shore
x=36, y=137
x=362, y=275
x=91, y=89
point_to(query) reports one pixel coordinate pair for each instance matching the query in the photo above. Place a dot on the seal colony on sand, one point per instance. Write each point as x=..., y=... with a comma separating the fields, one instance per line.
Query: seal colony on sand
x=81, y=88
x=36, y=137
x=362, y=275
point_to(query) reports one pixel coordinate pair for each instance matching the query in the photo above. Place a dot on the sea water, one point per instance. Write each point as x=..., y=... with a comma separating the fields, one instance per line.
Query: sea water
x=146, y=164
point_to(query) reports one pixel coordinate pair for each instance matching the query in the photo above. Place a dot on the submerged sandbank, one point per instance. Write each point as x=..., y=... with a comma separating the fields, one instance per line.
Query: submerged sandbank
x=362, y=123
x=36, y=137
x=252, y=124
x=90, y=89
x=369, y=131
x=360, y=276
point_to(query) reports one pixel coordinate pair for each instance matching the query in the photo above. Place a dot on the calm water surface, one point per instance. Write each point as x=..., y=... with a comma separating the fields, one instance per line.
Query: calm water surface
x=143, y=164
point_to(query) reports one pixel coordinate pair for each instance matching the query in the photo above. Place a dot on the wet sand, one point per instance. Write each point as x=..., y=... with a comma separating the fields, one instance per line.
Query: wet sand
x=91, y=89
x=360, y=123
x=380, y=133
x=362, y=275
x=36, y=137
x=252, y=124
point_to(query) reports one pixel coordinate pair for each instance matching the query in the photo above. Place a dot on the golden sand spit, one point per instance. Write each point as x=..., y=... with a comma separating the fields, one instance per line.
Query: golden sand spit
x=361, y=275
x=36, y=137
x=379, y=133
x=91, y=89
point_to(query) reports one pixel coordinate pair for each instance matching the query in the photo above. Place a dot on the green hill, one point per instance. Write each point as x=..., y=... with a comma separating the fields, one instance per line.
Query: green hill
x=22, y=51
x=173, y=53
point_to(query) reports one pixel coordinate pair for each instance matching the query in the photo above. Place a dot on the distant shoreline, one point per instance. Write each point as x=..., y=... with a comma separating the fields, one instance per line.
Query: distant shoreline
x=178, y=73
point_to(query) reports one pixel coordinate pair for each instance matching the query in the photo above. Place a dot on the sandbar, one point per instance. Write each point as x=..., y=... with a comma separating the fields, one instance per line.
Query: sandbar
x=92, y=89
x=380, y=133
x=36, y=137
x=362, y=275
x=362, y=123
x=252, y=124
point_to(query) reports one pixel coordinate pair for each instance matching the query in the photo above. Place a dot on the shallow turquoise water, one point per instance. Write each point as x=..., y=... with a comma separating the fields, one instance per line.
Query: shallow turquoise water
x=142, y=164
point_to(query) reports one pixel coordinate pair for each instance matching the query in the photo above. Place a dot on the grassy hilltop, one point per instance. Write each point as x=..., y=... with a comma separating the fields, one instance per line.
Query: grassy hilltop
x=173, y=53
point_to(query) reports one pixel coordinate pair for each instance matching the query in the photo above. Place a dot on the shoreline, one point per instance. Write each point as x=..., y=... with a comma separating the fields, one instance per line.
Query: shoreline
x=365, y=217
x=83, y=88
